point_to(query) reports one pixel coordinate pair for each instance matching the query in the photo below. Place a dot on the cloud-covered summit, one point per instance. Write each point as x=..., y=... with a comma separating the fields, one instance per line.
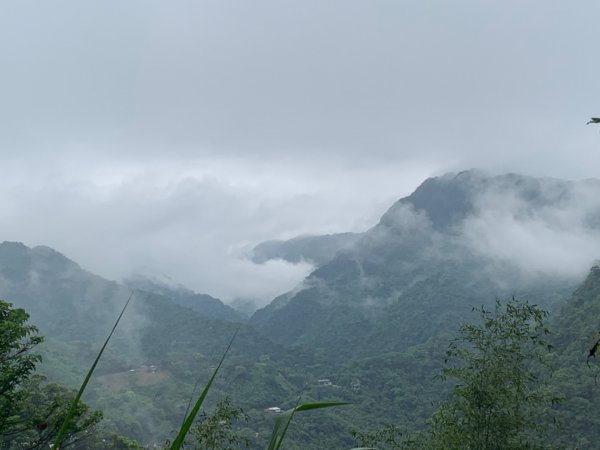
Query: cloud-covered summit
x=539, y=225
x=177, y=135
x=459, y=241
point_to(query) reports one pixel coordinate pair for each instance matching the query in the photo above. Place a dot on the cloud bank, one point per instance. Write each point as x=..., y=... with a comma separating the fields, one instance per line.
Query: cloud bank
x=169, y=136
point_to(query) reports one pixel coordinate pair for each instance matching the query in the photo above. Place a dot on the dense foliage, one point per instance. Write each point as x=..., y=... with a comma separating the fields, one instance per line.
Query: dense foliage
x=500, y=396
x=500, y=371
x=216, y=431
x=17, y=362
x=369, y=326
x=32, y=409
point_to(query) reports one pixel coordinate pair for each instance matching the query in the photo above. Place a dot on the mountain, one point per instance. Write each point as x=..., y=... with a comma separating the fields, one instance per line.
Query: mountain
x=75, y=309
x=373, y=319
x=574, y=331
x=60, y=296
x=433, y=256
x=315, y=249
x=204, y=304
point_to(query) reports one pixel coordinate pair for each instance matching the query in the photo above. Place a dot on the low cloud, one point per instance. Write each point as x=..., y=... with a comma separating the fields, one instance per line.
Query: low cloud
x=194, y=130
x=546, y=226
x=192, y=223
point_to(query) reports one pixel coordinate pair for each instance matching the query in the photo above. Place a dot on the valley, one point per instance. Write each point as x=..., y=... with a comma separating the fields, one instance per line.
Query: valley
x=369, y=326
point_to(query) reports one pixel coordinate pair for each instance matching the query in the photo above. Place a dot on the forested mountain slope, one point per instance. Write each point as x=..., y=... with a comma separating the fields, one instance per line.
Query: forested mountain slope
x=316, y=249
x=432, y=256
x=373, y=319
x=206, y=305
x=147, y=374
x=575, y=330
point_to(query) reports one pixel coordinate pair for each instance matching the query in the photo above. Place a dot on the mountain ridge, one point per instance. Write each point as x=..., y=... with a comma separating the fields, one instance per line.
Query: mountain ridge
x=424, y=246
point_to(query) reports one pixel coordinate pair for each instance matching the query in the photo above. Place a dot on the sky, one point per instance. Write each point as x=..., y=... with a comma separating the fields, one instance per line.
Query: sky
x=168, y=138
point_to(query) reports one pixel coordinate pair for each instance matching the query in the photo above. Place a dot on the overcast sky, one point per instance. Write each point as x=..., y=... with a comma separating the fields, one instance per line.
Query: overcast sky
x=167, y=137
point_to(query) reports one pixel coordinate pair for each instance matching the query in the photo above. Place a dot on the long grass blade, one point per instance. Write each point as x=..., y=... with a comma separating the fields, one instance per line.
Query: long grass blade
x=282, y=422
x=178, y=442
x=281, y=425
x=187, y=410
x=63, y=429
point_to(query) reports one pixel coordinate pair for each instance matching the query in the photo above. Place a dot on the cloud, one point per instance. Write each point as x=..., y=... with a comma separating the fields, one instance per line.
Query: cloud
x=191, y=222
x=138, y=132
x=501, y=86
x=546, y=226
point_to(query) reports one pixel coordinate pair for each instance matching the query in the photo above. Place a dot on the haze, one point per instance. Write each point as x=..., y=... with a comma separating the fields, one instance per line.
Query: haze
x=168, y=138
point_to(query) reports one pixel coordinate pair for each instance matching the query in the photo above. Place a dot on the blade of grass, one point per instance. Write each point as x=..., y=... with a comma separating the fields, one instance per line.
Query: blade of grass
x=281, y=425
x=178, y=442
x=63, y=429
x=187, y=410
x=282, y=422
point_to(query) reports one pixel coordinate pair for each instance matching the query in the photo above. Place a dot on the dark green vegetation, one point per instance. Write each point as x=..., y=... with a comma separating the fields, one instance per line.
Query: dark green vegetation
x=370, y=326
x=17, y=363
x=501, y=396
x=145, y=378
x=75, y=404
x=190, y=415
x=34, y=412
x=216, y=431
x=421, y=264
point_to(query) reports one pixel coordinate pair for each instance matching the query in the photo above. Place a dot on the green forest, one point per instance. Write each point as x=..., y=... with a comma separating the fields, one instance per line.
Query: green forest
x=513, y=379
x=405, y=337
x=299, y=225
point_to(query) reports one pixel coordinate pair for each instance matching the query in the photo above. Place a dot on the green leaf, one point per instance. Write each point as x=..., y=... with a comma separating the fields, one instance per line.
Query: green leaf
x=282, y=422
x=183, y=431
x=63, y=429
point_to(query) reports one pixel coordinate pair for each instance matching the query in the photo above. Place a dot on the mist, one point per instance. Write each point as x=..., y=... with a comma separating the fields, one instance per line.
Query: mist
x=556, y=234
x=168, y=139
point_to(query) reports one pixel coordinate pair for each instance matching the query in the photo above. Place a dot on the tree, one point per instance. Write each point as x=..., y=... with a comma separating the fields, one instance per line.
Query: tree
x=215, y=432
x=17, y=362
x=500, y=395
x=31, y=410
x=42, y=412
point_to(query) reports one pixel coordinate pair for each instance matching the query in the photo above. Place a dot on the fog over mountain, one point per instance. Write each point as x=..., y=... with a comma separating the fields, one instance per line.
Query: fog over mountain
x=376, y=313
x=459, y=240
x=171, y=138
x=342, y=181
x=541, y=226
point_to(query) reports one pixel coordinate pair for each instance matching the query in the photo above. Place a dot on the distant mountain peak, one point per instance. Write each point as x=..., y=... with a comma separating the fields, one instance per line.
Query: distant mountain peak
x=450, y=198
x=459, y=240
x=12, y=246
x=160, y=284
x=314, y=249
x=202, y=303
x=40, y=258
x=445, y=199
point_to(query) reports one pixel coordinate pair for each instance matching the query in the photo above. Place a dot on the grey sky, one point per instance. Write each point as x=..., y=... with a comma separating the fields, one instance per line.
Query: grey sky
x=170, y=135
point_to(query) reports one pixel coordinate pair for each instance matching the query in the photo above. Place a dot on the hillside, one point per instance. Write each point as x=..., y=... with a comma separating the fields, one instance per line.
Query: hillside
x=374, y=318
x=575, y=330
x=315, y=249
x=75, y=309
x=208, y=306
x=432, y=256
